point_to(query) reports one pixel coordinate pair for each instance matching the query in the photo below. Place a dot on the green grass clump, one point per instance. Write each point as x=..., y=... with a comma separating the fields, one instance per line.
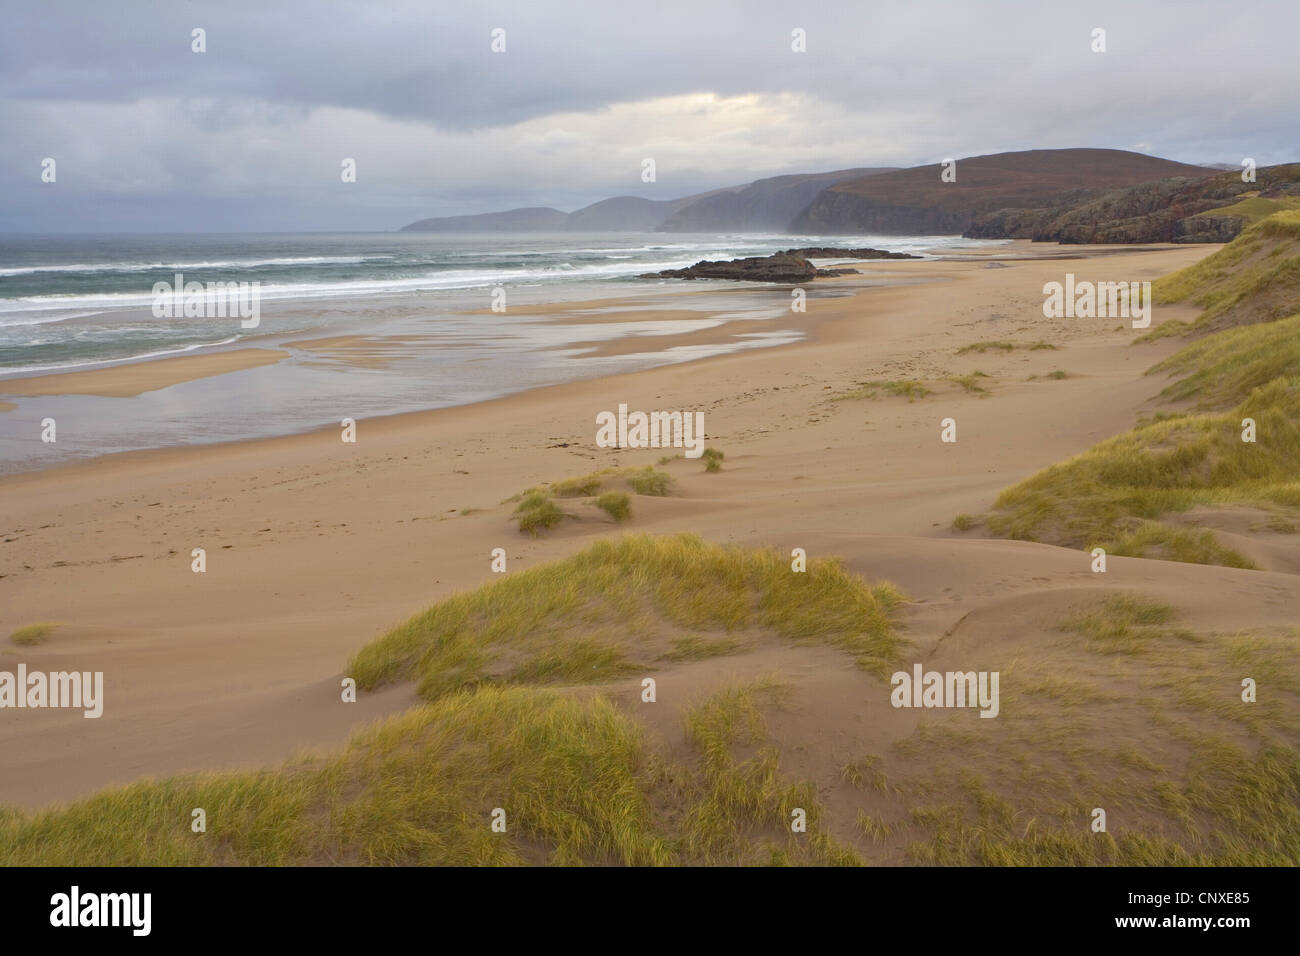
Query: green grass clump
x=33, y=633
x=575, y=777
x=583, y=487
x=865, y=772
x=712, y=459
x=695, y=648
x=615, y=504
x=1119, y=493
x=635, y=593
x=1245, y=282
x=1149, y=725
x=1114, y=494
x=1123, y=625
x=911, y=389
x=644, y=481
x=537, y=512
x=964, y=522
x=1174, y=543
x=573, y=660
x=649, y=481
x=982, y=347
x=971, y=382
x=1222, y=369
x=1280, y=525
x=418, y=789
x=744, y=800
x=1252, y=209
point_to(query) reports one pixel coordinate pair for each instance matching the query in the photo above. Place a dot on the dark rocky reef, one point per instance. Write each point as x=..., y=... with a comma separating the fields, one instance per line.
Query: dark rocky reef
x=781, y=267
x=825, y=252
x=792, y=265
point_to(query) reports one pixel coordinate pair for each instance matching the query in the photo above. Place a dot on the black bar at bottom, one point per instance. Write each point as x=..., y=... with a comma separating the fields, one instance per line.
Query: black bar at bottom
x=336, y=905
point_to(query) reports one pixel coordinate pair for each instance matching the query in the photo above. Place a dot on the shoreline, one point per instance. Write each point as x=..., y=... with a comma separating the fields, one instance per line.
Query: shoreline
x=133, y=378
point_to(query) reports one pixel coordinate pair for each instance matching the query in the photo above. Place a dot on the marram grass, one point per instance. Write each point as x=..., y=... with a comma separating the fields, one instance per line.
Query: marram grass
x=631, y=596
x=1254, y=278
x=573, y=777
x=1221, y=370
x=1121, y=493
x=33, y=633
x=1111, y=495
x=1196, y=776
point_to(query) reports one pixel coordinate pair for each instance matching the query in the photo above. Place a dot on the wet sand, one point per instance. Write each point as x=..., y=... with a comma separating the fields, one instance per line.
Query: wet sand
x=136, y=378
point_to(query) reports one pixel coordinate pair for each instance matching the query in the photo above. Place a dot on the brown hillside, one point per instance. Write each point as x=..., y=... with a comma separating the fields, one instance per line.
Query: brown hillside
x=917, y=200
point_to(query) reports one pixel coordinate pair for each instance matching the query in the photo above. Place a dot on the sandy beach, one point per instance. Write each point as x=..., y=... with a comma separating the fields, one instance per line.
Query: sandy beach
x=314, y=546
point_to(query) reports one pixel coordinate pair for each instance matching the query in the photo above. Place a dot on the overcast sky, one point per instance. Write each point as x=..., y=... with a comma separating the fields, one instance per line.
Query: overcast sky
x=251, y=134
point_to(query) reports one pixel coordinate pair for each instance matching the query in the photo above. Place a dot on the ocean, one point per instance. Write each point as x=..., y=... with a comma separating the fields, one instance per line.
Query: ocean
x=70, y=303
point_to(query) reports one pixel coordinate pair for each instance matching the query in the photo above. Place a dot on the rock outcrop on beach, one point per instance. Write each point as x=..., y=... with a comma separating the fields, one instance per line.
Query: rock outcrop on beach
x=827, y=252
x=781, y=267
x=792, y=265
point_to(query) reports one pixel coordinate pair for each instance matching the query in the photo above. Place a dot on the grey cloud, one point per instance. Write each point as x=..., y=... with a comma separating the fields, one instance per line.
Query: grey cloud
x=257, y=121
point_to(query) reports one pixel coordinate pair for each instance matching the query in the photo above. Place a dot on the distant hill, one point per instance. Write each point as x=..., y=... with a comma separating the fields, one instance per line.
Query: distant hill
x=767, y=204
x=620, y=214
x=1056, y=195
x=763, y=205
x=1206, y=209
x=531, y=219
x=916, y=200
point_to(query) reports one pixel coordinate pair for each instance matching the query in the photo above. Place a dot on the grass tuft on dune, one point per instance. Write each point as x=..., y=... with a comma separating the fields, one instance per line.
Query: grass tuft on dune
x=574, y=777
x=1221, y=370
x=911, y=389
x=1114, y=495
x=1197, y=777
x=537, y=510
x=419, y=788
x=1254, y=278
x=1120, y=494
x=33, y=633
x=630, y=596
